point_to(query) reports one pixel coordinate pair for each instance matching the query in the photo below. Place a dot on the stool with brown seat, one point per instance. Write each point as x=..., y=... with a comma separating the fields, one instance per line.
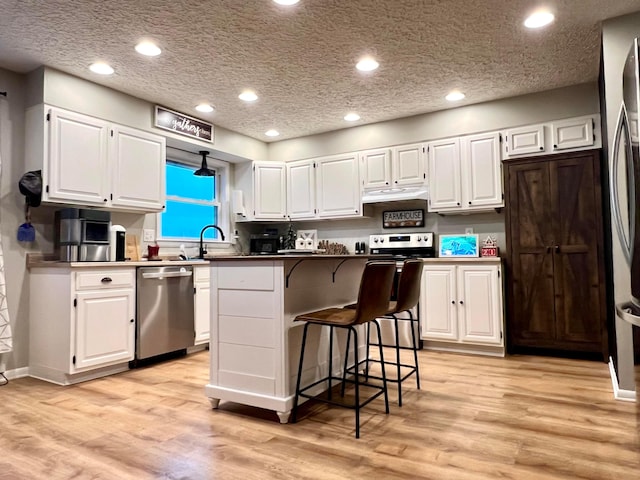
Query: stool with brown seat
x=373, y=301
x=407, y=297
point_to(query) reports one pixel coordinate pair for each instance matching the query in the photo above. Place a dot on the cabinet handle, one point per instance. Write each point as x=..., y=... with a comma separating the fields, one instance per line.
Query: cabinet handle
x=461, y=302
x=469, y=203
x=356, y=211
x=396, y=181
x=555, y=146
x=557, y=248
x=106, y=280
x=458, y=203
x=548, y=249
x=541, y=148
x=453, y=302
x=131, y=321
x=386, y=183
x=105, y=199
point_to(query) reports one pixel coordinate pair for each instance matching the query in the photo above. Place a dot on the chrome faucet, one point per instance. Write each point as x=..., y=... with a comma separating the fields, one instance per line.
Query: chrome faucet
x=202, y=251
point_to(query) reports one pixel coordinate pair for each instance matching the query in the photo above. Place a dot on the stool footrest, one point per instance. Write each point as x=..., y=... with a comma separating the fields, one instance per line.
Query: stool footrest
x=322, y=397
x=412, y=370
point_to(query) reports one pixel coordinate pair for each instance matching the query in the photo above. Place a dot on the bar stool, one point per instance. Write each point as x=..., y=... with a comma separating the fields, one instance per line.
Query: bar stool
x=407, y=297
x=373, y=301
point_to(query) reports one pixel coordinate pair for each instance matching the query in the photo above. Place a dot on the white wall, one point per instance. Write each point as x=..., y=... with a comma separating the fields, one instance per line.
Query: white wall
x=555, y=104
x=617, y=36
x=12, y=214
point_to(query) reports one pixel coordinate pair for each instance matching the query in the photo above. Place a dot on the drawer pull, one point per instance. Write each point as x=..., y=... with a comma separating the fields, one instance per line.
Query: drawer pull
x=106, y=280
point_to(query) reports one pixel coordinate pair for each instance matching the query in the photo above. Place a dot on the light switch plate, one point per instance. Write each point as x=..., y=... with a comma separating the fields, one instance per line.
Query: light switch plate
x=148, y=235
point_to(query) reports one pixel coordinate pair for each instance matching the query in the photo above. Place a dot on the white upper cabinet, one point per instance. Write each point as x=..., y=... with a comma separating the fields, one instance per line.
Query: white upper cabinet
x=270, y=193
x=444, y=175
x=376, y=168
x=138, y=169
x=524, y=141
x=301, y=191
x=393, y=167
x=77, y=159
x=88, y=161
x=482, y=170
x=465, y=173
x=338, y=186
x=573, y=133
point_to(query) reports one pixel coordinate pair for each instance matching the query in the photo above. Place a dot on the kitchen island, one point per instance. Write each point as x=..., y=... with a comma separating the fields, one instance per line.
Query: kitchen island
x=255, y=344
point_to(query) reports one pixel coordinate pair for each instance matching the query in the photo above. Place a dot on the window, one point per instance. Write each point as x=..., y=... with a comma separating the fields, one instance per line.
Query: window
x=191, y=203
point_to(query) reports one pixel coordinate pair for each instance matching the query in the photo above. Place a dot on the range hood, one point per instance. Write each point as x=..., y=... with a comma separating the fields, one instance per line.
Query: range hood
x=395, y=194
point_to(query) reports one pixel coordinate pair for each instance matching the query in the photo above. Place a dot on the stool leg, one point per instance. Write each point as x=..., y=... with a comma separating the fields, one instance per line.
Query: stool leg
x=346, y=364
x=357, y=385
x=384, y=375
x=295, y=401
x=330, y=360
x=366, y=360
x=395, y=322
x=415, y=349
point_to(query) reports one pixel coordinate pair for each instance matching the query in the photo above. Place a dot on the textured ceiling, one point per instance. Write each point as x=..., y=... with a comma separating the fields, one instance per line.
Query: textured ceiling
x=300, y=60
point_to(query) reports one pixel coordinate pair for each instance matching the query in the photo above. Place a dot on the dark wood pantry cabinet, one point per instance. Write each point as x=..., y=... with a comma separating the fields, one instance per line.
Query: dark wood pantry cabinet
x=556, y=297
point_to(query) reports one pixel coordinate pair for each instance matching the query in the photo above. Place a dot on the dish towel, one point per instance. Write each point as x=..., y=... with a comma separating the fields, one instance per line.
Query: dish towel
x=5, y=327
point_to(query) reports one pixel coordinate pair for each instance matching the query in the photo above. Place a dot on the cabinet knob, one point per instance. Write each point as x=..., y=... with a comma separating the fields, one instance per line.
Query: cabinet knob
x=386, y=183
x=541, y=148
x=458, y=203
x=106, y=280
x=396, y=181
x=461, y=302
x=356, y=211
x=105, y=200
x=555, y=146
x=469, y=203
x=453, y=302
x=131, y=321
x=548, y=249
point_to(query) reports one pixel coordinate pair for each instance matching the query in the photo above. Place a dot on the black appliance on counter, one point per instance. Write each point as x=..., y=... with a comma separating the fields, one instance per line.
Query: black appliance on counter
x=265, y=244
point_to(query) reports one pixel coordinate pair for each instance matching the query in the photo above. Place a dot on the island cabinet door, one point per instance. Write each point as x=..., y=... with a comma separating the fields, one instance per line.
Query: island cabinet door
x=104, y=329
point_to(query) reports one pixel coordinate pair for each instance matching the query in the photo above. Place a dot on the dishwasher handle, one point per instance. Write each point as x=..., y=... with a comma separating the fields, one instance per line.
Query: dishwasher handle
x=167, y=274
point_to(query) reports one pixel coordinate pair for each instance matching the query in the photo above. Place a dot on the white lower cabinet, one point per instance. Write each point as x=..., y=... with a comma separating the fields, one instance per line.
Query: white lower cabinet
x=461, y=304
x=202, y=305
x=81, y=322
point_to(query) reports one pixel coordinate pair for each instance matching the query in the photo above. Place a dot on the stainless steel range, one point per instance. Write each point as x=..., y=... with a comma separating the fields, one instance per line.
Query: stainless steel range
x=400, y=247
x=405, y=245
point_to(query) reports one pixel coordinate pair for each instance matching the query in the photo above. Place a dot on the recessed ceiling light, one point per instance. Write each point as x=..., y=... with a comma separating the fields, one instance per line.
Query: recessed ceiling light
x=352, y=117
x=286, y=2
x=367, y=64
x=272, y=133
x=455, y=96
x=148, y=48
x=248, y=96
x=101, y=68
x=205, y=108
x=539, y=19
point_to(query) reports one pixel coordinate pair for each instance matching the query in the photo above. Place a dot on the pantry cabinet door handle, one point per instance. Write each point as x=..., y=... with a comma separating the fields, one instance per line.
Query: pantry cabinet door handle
x=106, y=280
x=557, y=248
x=548, y=249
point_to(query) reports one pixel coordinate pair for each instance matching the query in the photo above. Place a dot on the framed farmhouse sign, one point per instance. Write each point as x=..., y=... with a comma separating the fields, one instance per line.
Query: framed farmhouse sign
x=403, y=218
x=183, y=124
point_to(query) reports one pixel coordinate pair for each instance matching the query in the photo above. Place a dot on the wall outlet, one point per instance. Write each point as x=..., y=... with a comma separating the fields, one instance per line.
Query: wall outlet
x=468, y=230
x=148, y=235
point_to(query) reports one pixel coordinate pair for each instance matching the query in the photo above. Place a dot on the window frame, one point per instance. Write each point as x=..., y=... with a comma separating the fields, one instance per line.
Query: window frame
x=223, y=172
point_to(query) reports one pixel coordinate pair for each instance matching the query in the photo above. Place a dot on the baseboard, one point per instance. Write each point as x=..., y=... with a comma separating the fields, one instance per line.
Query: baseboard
x=619, y=393
x=17, y=373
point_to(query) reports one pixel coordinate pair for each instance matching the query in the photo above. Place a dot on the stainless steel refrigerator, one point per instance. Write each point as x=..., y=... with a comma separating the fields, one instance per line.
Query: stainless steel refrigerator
x=625, y=162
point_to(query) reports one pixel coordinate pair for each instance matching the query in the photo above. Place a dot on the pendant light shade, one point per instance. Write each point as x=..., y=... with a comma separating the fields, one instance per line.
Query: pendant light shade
x=204, y=170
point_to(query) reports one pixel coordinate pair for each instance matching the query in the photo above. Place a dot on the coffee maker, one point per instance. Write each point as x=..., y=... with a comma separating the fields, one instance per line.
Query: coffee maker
x=117, y=244
x=82, y=235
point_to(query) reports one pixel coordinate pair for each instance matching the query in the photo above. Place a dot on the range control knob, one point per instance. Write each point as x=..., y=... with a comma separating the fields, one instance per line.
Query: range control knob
x=381, y=239
x=419, y=238
x=375, y=239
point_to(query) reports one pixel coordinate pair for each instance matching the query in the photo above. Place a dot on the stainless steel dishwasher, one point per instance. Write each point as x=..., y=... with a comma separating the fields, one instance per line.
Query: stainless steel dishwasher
x=164, y=310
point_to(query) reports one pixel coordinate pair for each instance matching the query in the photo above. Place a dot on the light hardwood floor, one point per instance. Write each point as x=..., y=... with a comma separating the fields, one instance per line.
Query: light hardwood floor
x=518, y=418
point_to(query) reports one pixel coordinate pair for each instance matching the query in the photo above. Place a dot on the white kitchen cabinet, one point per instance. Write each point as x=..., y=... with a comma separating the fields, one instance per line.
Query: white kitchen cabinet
x=461, y=304
x=573, y=133
x=524, y=141
x=338, y=186
x=137, y=161
x=88, y=161
x=202, y=306
x=83, y=324
x=399, y=166
x=264, y=191
x=465, y=174
x=301, y=189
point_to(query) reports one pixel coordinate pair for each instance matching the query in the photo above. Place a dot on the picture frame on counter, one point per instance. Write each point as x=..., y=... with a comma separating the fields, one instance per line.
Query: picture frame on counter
x=466, y=245
x=403, y=218
x=183, y=124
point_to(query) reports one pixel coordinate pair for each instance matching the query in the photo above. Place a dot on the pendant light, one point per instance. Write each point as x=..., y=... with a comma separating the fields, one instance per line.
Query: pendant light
x=204, y=170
